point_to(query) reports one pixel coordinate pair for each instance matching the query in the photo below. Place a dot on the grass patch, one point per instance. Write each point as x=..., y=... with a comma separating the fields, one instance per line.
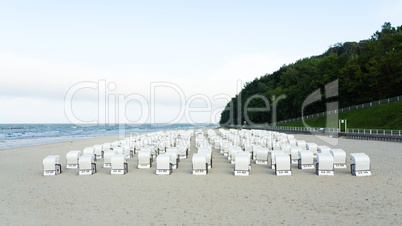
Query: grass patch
x=384, y=116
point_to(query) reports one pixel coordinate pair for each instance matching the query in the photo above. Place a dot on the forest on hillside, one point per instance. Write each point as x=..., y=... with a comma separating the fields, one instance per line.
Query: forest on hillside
x=365, y=71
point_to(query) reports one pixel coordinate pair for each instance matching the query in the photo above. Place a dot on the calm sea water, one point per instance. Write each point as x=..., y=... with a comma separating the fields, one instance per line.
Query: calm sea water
x=19, y=135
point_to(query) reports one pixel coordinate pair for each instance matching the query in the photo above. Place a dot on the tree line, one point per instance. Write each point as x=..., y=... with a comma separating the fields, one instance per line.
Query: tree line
x=365, y=71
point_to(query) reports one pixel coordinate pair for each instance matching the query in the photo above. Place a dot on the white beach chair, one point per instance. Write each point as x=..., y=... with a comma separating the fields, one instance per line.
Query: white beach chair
x=294, y=154
x=144, y=159
x=119, y=150
x=107, y=158
x=313, y=148
x=242, y=164
x=306, y=159
x=282, y=165
x=105, y=147
x=162, y=145
x=98, y=151
x=154, y=150
x=292, y=142
x=175, y=159
x=72, y=159
x=137, y=146
x=182, y=151
x=51, y=165
x=127, y=151
x=272, y=157
x=339, y=158
x=217, y=142
x=87, y=165
x=360, y=165
x=248, y=147
x=254, y=148
x=113, y=145
x=266, y=142
x=224, y=147
x=124, y=141
x=256, y=141
x=325, y=164
x=163, y=164
x=233, y=152
x=270, y=144
x=89, y=151
x=324, y=149
x=119, y=164
x=200, y=164
x=289, y=136
x=276, y=145
x=199, y=138
x=145, y=140
x=209, y=156
x=261, y=156
x=205, y=144
x=285, y=148
x=301, y=144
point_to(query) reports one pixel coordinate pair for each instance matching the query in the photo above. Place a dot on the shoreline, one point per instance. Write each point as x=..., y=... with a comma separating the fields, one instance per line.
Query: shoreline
x=60, y=143
x=24, y=135
x=140, y=196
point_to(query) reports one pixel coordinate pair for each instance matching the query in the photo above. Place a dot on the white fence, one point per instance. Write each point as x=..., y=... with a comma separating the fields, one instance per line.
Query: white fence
x=310, y=129
x=375, y=132
x=383, y=132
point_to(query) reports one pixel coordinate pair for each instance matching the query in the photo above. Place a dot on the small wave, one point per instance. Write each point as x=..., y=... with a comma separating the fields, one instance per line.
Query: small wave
x=5, y=128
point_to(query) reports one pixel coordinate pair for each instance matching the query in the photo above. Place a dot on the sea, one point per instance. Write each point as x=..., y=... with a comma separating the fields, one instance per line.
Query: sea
x=20, y=135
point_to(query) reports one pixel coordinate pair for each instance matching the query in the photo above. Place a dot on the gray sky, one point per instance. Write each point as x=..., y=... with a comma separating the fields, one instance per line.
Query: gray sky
x=167, y=61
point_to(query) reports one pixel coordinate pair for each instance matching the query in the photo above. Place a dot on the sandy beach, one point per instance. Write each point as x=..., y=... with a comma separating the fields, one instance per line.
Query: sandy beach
x=143, y=198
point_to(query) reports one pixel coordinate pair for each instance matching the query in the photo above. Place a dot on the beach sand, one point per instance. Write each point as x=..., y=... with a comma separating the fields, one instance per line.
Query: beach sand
x=141, y=197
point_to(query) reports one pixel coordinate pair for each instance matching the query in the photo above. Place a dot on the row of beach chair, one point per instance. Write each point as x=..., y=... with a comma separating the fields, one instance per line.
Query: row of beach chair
x=241, y=147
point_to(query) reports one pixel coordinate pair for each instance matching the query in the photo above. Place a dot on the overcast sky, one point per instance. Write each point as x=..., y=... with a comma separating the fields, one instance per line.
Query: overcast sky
x=160, y=61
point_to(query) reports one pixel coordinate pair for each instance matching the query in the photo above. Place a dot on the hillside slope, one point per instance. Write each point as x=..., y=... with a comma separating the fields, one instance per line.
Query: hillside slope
x=363, y=71
x=385, y=116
